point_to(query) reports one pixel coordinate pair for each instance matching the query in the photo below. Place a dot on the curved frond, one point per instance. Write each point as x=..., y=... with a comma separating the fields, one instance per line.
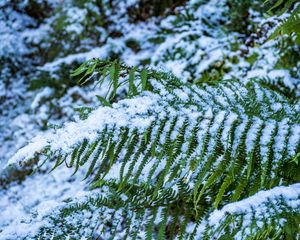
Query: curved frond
x=211, y=142
x=289, y=26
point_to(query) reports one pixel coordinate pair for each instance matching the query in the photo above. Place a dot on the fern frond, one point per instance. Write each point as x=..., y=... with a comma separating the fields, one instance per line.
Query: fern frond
x=289, y=26
x=200, y=147
x=280, y=6
x=270, y=214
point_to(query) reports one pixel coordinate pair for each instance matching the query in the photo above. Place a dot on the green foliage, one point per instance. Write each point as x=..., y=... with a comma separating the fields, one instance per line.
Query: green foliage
x=280, y=87
x=209, y=142
x=211, y=147
x=280, y=6
x=290, y=26
x=287, y=36
x=269, y=225
x=118, y=75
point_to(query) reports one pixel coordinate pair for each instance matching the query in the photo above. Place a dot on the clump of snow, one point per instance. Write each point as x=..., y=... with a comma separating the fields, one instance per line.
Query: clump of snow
x=289, y=193
x=125, y=112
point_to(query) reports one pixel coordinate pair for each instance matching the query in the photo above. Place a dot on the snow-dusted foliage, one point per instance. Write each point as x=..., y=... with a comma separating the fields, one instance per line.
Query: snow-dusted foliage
x=184, y=123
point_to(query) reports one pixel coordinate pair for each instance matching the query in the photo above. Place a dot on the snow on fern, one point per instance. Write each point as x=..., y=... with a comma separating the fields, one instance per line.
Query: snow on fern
x=138, y=139
x=256, y=212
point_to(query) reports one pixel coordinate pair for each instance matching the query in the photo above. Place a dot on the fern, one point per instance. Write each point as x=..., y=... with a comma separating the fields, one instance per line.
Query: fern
x=177, y=144
x=280, y=6
x=200, y=157
x=271, y=214
x=268, y=214
x=289, y=26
